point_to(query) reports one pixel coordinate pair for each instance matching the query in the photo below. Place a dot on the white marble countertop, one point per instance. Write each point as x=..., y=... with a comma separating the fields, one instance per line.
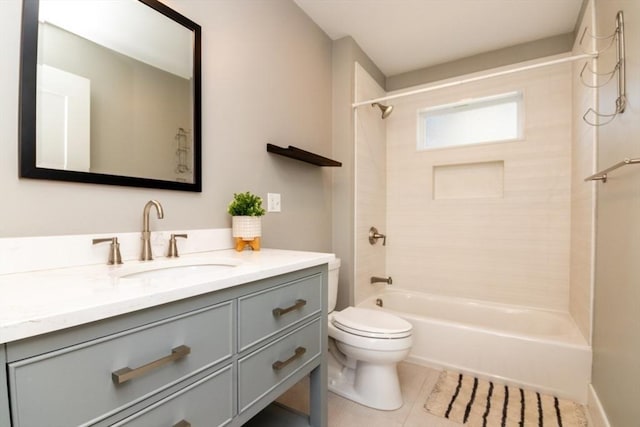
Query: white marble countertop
x=33, y=303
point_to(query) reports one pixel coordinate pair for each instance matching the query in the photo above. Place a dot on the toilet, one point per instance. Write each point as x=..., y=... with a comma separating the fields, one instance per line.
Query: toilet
x=365, y=346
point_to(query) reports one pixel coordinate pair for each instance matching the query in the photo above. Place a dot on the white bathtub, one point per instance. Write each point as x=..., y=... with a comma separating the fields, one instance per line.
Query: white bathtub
x=539, y=349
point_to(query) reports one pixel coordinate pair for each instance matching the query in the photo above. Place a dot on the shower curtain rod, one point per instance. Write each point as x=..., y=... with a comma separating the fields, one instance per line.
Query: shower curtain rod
x=477, y=78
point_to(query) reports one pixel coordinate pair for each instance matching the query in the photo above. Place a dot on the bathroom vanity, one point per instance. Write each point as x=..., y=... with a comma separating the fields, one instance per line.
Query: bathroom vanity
x=136, y=345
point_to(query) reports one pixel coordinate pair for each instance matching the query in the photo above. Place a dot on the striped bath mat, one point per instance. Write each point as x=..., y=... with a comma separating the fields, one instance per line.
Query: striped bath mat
x=479, y=403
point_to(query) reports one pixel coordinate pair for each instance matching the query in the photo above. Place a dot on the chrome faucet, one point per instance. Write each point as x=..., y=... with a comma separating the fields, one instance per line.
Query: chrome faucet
x=386, y=280
x=147, y=254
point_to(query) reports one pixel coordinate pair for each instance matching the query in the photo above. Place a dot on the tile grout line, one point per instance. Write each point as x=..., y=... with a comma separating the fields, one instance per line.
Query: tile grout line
x=416, y=400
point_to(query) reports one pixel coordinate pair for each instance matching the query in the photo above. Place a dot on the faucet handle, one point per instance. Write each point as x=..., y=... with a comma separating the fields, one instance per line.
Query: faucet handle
x=173, y=246
x=114, y=250
x=374, y=236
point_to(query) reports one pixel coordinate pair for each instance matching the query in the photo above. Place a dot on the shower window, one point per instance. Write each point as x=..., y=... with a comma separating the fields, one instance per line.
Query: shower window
x=472, y=121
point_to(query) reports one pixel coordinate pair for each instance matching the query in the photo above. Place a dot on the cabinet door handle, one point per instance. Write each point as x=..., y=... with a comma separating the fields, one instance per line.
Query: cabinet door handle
x=183, y=423
x=277, y=365
x=125, y=374
x=277, y=312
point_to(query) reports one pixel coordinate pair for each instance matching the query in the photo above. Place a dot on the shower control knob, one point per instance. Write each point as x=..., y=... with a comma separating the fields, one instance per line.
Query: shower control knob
x=374, y=236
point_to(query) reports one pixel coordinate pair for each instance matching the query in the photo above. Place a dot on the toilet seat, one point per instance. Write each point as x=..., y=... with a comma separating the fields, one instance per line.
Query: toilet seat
x=371, y=323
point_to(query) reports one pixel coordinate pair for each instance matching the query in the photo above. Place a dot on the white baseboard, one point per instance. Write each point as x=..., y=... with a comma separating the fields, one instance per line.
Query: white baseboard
x=597, y=416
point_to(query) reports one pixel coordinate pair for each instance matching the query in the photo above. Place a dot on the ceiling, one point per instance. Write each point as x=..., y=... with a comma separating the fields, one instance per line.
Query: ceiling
x=406, y=35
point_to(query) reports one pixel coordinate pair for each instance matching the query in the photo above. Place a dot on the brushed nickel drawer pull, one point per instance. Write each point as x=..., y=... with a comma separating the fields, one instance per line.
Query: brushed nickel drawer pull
x=277, y=312
x=182, y=423
x=125, y=374
x=277, y=365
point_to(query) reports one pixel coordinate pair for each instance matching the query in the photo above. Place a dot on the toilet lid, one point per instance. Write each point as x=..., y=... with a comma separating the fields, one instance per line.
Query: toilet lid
x=371, y=323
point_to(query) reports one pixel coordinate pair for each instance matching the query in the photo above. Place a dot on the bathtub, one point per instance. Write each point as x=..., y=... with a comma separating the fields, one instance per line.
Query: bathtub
x=539, y=349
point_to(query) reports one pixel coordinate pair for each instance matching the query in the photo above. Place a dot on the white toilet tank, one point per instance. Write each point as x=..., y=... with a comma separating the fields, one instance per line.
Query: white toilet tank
x=334, y=271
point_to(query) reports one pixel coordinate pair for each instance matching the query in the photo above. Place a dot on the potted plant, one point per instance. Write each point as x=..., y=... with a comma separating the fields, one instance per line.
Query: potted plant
x=246, y=225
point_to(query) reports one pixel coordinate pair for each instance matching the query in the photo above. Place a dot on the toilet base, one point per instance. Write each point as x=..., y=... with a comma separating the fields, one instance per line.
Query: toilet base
x=372, y=385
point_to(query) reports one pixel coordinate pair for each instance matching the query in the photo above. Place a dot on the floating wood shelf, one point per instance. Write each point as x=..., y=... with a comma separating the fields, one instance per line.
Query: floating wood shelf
x=302, y=155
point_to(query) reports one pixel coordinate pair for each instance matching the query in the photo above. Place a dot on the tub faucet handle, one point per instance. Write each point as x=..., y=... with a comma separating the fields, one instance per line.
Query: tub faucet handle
x=173, y=246
x=114, y=250
x=374, y=236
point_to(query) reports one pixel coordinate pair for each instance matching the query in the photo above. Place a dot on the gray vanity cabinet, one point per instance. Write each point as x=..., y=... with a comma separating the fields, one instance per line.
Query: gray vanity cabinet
x=257, y=373
x=203, y=403
x=4, y=396
x=263, y=314
x=92, y=373
x=213, y=360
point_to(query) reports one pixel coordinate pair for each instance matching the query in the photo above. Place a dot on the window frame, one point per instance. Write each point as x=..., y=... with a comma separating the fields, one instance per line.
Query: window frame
x=466, y=105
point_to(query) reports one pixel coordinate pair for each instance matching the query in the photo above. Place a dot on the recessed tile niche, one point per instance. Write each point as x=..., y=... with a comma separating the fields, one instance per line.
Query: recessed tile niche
x=469, y=180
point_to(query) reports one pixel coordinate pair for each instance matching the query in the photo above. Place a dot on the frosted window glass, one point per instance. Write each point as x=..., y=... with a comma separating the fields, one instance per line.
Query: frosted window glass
x=478, y=121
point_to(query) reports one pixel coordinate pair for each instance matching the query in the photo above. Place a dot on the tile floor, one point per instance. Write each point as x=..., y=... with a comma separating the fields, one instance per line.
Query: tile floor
x=417, y=382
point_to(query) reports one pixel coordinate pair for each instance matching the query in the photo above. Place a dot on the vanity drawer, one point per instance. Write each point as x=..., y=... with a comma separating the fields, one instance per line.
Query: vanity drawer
x=78, y=384
x=265, y=313
x=205, y=403
x=264, y=369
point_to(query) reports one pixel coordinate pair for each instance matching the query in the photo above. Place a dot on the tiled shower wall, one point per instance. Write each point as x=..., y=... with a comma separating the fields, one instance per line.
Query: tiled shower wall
x=370, y=186
x=507, y=241
x=583, y=193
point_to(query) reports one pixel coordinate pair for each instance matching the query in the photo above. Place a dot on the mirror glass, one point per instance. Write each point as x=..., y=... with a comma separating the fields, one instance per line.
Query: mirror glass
x=110, y=93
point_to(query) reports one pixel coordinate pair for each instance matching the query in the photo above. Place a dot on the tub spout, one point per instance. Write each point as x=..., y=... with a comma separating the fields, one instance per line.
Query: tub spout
x=386, y=280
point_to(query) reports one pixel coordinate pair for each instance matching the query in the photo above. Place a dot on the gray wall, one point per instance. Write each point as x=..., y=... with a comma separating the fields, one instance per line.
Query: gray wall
x=266, y=78
x=483, y=61
x=616, y=337
x=345, y=53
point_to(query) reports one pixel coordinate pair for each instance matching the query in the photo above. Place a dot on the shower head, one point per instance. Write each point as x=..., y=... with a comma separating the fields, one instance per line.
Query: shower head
x=386, y=109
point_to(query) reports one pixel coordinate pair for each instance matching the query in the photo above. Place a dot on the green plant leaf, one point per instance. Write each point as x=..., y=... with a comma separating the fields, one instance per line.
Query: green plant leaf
x=245, y=204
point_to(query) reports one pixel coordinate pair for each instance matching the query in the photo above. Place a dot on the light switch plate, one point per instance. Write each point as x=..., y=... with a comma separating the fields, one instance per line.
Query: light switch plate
x=273, y=202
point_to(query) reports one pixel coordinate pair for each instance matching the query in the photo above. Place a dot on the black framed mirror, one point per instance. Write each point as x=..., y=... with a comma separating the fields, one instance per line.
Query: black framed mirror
x=110, y=94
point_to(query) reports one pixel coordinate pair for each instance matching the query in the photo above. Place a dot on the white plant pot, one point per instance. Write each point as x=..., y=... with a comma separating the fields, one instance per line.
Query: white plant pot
x=246, y=227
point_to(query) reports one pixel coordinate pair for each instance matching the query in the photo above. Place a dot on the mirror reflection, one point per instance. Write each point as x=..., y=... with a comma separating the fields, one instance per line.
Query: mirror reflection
x=116, y=93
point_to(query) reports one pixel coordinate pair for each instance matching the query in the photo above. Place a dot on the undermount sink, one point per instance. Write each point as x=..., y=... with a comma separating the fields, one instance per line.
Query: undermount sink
x=176, y=271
